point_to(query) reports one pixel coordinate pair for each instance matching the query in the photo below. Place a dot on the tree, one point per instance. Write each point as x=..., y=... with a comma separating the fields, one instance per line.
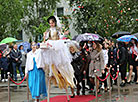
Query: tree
x=38, y=11
x=105, y=16
x=82, y=12
x=11, y=13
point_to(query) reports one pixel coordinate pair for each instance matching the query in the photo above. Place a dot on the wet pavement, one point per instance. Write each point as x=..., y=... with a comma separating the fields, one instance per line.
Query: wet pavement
x=129, y=93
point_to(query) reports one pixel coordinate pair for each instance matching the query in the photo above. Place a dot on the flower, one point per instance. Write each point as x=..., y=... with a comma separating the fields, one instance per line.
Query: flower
x=121, y=11
x=128, y=8
x=82, y=7
x=87, y=49
x=118, y=21
x=136, y=19
x=79, y=6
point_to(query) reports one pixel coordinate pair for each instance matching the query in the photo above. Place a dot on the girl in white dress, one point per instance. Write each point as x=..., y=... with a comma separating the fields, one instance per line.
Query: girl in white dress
x=57, y=57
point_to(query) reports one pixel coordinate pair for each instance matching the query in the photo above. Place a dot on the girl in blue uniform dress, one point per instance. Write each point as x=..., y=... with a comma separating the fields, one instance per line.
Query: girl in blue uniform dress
x=36, y=76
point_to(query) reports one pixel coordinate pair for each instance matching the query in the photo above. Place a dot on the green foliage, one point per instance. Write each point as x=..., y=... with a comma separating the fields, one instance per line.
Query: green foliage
x=38, y=12
x=65, y=21
x=105, y=16
x=11, y=13
x=29, y=15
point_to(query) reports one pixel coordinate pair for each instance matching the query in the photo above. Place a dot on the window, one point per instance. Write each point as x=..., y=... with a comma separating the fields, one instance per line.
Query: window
x=60, y=11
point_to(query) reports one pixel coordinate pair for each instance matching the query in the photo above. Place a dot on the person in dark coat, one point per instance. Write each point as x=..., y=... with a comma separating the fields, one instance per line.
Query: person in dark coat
x=10, y=68
x=16, y=61
x=80, y=63
x=4, y=67
x=132, y=63
x=0, y=53
x=122, y=61
x=76, y=64
x=111, y=60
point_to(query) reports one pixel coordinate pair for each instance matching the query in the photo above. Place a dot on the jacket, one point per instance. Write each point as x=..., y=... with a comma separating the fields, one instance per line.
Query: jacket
x=4, y=63
x=38, y=58
x=15, y=55
x=97, y=62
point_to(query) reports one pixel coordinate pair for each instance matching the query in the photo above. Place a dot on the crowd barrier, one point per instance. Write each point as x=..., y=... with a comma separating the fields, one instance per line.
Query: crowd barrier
x=10, y=79
x=96, y=77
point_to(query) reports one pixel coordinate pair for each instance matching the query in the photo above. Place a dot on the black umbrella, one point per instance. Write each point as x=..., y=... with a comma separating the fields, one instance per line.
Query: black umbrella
x=136, y=35
x=119, y=34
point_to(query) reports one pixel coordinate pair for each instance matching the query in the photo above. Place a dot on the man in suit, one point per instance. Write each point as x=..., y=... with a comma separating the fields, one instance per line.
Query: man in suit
x=16, y=62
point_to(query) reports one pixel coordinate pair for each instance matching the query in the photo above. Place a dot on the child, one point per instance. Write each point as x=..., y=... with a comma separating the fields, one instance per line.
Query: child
x=4, y=67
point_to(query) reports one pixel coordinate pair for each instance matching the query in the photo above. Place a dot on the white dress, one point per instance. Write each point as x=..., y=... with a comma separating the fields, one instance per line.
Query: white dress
x=58, y=59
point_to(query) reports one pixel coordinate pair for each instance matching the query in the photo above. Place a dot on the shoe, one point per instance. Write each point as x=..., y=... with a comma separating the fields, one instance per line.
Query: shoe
x=72, y=96
x=129, y=82
x=105, y=90
x=91, y=91
x=136, y=82
x=102, y=87
x=86, y=88
x=78, y=93
x=115, y=84
x=6, y=80
x=2, y=80
x=83, y=93
x=122, y=84
x=97, y=92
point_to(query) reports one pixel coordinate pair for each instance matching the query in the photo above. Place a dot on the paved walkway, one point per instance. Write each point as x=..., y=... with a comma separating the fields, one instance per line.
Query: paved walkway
x=19, y=93
x=129, y=93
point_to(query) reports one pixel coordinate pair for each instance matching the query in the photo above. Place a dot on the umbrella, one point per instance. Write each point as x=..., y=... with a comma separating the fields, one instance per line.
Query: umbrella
x=26, y=45
x=88, y=37
x=136, y=35
x=8, y=40
x=74, y=38
x=119, y=34
x=3, y=46
x=100, y=37
x=126, y=38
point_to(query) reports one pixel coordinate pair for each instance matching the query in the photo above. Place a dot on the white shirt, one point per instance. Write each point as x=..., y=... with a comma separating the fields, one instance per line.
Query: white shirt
x=38, y=58
x=105, y=52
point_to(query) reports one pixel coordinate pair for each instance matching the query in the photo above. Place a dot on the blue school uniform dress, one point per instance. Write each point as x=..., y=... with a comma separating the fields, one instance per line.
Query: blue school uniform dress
x=36, y=81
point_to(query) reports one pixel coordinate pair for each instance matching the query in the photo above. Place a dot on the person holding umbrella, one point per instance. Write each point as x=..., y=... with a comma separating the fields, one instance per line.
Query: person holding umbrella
x=97, y=63
x=132, y=59
x=122, y=62
x=137, y=62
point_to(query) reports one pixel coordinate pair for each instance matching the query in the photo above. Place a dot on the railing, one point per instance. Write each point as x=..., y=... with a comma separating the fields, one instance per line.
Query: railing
x=96, y=77
x=110, y=76
x=10, y=79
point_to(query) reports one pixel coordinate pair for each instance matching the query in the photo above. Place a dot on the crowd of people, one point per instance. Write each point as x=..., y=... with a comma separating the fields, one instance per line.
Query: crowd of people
x=102, y=57
x=86, y=58
x=11, y=58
